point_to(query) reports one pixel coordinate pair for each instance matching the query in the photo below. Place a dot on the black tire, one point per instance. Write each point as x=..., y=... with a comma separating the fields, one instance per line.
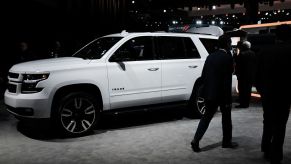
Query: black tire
x=196, y=106
x=77, y=114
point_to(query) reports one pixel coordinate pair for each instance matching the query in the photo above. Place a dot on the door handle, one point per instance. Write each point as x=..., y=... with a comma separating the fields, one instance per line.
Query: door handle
x=192, y=66
x=153, y=69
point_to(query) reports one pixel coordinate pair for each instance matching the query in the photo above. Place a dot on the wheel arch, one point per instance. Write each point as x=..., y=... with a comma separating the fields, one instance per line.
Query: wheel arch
x=84, y=87
x=193, y=111
x=196, y=84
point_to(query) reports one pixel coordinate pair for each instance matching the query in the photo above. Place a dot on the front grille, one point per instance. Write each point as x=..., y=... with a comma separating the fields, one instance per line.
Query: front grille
x=13, y=75
x=12, y=88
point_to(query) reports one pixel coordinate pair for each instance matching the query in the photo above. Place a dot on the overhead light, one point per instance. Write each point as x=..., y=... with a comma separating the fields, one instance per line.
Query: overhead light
x=213, y=7
x=175, y=22
x=133, y=2
x=198, y=8
x=165, y=11
x=198, y=22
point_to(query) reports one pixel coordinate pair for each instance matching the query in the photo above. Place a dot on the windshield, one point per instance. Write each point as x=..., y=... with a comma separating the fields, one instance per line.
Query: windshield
x=97, y=48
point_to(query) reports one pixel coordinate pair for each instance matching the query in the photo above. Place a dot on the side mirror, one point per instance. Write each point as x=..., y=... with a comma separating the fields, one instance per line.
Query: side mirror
x=122, y=65
x=117, y=58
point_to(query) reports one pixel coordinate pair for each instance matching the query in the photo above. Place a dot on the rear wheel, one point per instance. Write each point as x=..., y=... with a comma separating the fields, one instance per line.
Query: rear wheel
x=77, y=113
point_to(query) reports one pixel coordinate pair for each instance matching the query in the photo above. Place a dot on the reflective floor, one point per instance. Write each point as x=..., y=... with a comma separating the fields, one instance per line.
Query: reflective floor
x=151, y=137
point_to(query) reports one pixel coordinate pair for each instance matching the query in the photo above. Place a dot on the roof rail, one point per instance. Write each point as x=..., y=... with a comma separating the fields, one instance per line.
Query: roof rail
x=206, y=30
x=123, y=33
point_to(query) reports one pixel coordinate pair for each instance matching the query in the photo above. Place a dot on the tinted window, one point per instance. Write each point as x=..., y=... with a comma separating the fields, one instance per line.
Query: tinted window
x=176, y=48
x=96, y=49
x=136, y=49
x=211, y=45
x=191, y=50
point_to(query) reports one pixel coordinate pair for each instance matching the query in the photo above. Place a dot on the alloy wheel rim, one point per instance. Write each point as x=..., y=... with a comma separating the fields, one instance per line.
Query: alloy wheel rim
x=201, y=105
x=78, y=115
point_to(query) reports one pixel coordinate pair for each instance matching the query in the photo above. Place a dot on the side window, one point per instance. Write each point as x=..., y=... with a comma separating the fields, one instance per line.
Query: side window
x=135, y=49
x=191, y=50
x=177, y=48
x=171, y=47
x=210, y=45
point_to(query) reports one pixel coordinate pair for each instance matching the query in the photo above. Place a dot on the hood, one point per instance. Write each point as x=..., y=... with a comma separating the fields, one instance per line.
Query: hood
x=50, y=64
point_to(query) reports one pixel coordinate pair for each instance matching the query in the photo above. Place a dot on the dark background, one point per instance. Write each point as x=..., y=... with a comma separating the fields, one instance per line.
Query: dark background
x=76, y=22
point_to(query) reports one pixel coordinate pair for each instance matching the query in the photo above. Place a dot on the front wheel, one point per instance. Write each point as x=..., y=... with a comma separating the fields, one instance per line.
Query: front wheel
x=197, y=102
x=77, y=113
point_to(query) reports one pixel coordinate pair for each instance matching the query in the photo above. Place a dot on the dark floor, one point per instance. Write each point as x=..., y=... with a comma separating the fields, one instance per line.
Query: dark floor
x=151, y=137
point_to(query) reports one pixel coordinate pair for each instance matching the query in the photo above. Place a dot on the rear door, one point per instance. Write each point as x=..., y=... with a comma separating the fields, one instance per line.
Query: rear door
x=181, y=66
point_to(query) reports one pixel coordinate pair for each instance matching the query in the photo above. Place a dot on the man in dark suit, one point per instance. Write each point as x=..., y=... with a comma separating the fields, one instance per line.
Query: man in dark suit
x=245, y=66
x=274, y=70
x=217, y=82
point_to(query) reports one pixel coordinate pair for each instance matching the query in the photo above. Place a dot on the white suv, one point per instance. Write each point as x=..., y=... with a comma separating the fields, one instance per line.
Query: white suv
x=110, y=73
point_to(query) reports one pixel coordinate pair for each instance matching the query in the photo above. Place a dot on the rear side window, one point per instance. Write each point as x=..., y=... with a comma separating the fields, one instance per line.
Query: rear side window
x=210, y=45
x=191, y=50
x=176, y=48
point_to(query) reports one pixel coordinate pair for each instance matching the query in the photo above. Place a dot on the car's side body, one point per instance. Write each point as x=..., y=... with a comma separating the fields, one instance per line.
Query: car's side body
x=121, y=82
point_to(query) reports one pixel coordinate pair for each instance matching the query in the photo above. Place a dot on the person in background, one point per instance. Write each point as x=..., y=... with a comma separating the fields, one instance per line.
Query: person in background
x=273, y=83
x=217, y=82
x=57, y=50
x=245, y=69
x=24, y=53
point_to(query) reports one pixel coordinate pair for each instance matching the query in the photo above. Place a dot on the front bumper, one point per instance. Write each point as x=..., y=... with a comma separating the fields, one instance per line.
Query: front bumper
x=34, y=105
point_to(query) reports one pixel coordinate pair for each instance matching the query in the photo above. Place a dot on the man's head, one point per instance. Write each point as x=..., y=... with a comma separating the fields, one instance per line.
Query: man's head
x=224, y=42
x=246, y=45
x=23, y=46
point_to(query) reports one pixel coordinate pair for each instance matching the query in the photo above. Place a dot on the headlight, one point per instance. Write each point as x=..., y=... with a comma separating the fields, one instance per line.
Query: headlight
x=30, y=81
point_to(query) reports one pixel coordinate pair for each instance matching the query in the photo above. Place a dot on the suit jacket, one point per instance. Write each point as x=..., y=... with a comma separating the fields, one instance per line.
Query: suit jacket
x=217, y=77
x=274, y=71
x=246, y=65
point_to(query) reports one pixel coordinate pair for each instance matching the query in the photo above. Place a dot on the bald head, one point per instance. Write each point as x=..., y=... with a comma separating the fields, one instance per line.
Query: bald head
x=246, y=45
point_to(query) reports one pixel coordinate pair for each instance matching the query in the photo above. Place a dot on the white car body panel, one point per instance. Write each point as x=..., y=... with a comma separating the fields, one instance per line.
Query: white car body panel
x=137, y=85
x=178, y=78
